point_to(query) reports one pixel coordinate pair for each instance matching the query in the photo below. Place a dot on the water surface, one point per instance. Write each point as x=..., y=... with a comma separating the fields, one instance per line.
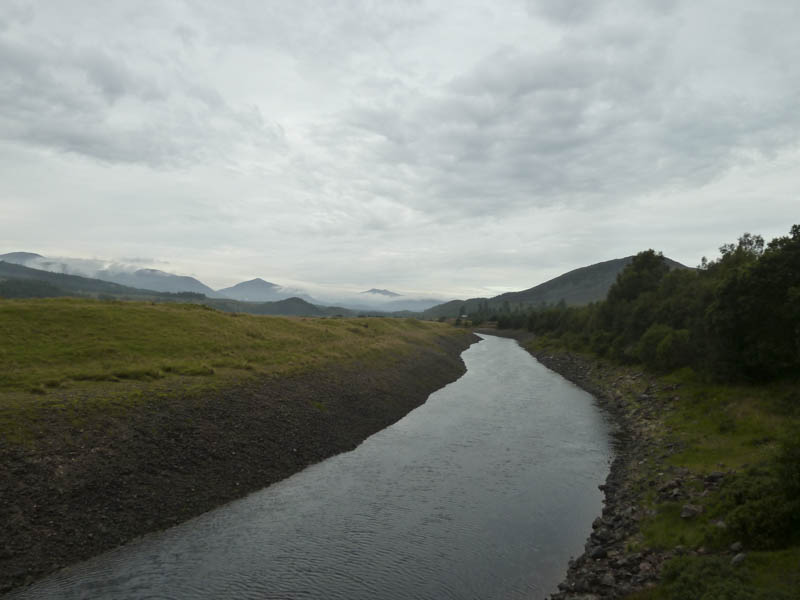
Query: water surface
x=483, y=492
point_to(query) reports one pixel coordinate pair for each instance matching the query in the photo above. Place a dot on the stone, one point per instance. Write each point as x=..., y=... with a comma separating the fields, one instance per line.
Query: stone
x=608, y=580
x=737, y=560
x=689, y=511
x=597, y=553
x=737, y=547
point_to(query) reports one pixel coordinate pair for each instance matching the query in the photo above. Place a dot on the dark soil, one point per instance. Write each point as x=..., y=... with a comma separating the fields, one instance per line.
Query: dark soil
x=74, y=494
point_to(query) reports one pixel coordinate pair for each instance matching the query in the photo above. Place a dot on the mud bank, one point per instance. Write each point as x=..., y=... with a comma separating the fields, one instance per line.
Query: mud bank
x=615, y=562
x=166, y=460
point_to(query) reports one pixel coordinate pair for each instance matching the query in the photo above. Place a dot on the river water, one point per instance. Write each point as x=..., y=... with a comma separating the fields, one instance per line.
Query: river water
x=483, y=492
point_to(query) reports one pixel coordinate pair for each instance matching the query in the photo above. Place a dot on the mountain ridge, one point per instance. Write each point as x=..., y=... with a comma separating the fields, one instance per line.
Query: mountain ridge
x=576, y=287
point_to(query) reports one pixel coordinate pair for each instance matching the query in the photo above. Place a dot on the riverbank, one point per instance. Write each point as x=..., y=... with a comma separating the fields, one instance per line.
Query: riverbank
x=609, y=568
x=692, y=501
x=86, y=472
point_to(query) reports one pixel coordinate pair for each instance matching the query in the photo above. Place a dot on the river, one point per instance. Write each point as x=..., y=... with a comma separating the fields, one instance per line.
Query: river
x=485, y=491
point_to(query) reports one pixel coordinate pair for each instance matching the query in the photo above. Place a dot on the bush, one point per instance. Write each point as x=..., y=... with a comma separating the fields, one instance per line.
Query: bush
x=761, y=508
x=789, y=466
x=710, y=578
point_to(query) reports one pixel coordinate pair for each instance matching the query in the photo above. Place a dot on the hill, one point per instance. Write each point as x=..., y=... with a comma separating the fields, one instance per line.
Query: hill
x=577, y=287
x=19, y=258
x=291, y=307
x=255, y=290
x=154, y=279
x=377, y=292
x=59, y=284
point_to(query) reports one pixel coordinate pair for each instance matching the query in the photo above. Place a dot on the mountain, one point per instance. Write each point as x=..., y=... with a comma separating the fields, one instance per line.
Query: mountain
x=406, y=304
x=19, y=258
x=255, y=290
x=377, y=292
x=287, y=307
x=18, y=281
x=576, y=287
x=60, y=284
x=160, y=281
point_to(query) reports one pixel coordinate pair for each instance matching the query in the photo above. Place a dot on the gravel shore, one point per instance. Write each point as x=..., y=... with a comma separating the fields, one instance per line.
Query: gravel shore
x=85, y=488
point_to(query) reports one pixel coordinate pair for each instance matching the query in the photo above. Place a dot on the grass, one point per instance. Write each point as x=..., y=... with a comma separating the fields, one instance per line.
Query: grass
x=58, y=351
x=736, y=429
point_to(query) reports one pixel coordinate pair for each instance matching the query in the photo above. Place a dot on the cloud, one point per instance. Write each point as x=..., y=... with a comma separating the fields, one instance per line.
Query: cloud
x=355, y=141
x=613, y=111
x=117, y=104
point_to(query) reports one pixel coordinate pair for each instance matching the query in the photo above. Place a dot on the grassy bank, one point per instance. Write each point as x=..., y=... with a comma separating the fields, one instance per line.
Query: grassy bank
x=120, y=418
x=729, y=452
x=57, y=351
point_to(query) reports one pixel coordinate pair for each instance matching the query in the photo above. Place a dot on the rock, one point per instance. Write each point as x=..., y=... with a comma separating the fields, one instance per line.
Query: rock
x=608, y=580
x=597, y=553
x=737, y=560
x=689, y=511
x=737, y=547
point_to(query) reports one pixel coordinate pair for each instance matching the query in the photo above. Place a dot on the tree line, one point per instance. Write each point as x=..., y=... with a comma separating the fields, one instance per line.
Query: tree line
x=734, y=318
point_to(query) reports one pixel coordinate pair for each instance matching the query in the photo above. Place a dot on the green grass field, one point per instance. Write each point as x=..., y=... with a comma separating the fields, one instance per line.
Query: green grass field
x=54, y=351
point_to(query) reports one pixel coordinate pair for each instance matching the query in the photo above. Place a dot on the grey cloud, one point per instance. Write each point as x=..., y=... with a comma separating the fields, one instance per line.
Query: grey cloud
x=603, y=114
x=564, y=11
x=89, y=101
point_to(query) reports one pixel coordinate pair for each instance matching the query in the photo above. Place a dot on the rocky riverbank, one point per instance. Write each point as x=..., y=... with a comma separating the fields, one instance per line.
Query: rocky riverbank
x=91, y=484
x=609, y=568
x=615, y=563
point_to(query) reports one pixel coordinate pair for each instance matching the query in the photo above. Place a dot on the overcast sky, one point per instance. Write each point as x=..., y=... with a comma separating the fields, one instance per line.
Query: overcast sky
x=454, y=148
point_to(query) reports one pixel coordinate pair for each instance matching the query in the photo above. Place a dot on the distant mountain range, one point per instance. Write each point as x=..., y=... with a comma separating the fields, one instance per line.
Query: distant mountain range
x=576, y=287
x=18, y=281
x=26, y=274
x=255, y=290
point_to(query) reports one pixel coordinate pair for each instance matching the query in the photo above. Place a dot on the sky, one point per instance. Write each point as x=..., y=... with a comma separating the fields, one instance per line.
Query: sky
x=433, y=148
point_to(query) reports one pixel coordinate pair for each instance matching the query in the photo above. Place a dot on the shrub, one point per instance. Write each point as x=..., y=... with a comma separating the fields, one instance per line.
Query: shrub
x=710, y=578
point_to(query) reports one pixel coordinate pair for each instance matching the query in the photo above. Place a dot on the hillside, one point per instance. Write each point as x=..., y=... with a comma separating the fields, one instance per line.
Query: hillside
x=577, y=287
x=19, y=258
x=58, y=284
x=160, y=281
x=254, y=290
x=291, y=307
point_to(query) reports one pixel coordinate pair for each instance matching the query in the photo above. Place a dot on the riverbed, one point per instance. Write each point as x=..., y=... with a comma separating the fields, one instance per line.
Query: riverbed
x=485, y=491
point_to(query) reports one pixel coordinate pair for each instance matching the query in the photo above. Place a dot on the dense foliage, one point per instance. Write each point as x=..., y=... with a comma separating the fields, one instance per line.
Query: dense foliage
x=737, y=317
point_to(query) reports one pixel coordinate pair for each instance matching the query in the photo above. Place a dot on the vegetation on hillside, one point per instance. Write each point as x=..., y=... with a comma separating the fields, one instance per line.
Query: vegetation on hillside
x=66, y=348
x=574, y=288
x=734, y=318
x=727, y=335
